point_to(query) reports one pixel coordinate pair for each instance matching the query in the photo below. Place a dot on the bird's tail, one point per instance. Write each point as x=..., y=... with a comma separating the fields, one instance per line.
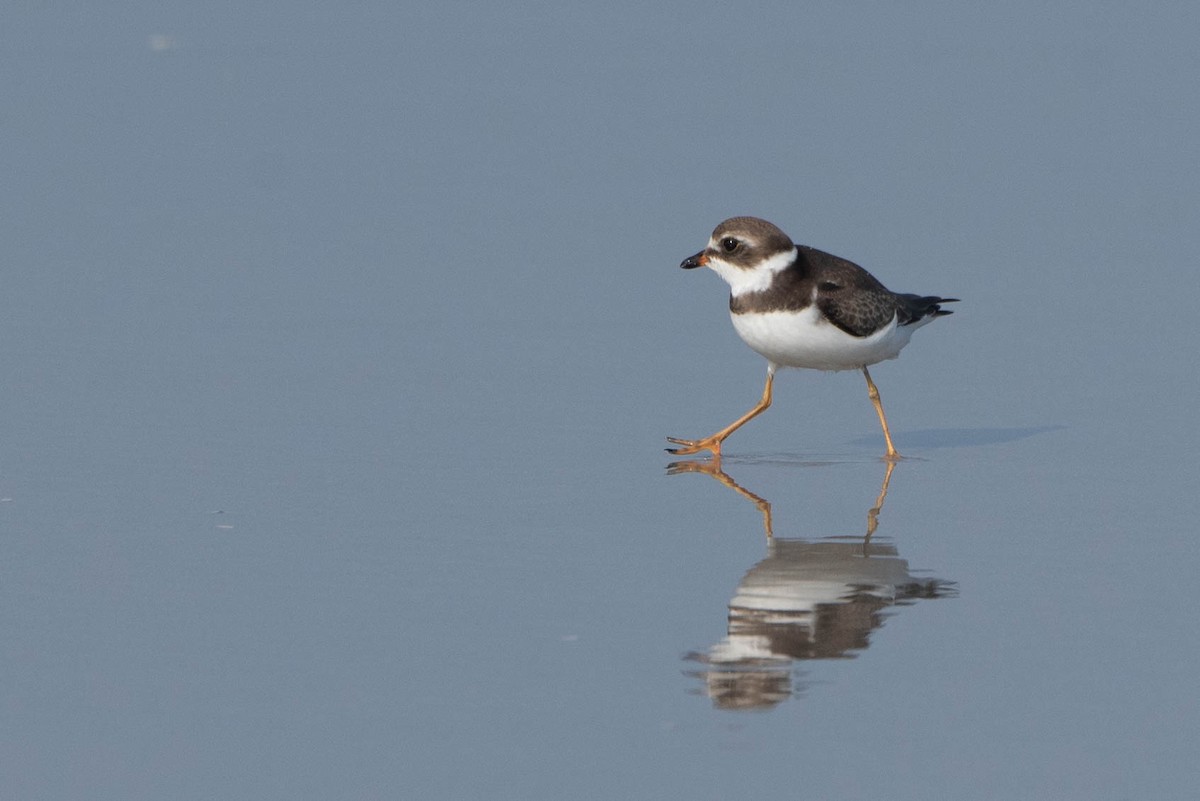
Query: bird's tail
x=914, y=308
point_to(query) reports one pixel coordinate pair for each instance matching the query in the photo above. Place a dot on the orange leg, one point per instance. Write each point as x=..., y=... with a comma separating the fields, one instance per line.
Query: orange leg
x=713, y=443
x=873, y=393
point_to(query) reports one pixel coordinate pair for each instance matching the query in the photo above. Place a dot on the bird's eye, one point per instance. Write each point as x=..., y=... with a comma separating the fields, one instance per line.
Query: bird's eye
x=729, y=244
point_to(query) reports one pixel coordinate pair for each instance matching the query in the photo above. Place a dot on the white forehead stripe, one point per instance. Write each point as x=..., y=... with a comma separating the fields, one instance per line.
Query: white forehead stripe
x=754, y=279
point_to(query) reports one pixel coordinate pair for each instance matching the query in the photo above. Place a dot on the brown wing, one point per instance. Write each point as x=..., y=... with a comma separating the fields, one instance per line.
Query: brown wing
x=849, y=296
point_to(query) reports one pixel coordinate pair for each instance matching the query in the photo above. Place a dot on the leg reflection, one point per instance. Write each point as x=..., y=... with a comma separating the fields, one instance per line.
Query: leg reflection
x=713, y=469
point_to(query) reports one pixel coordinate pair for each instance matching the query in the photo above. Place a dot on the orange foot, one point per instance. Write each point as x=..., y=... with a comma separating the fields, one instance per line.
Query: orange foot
x=690, y=446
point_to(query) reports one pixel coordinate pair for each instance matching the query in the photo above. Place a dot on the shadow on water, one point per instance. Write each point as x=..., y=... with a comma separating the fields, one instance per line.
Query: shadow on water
x=808, y=599
x=964, y=437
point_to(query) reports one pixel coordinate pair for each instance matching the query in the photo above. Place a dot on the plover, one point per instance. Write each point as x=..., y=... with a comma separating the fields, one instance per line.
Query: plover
x=800, y=307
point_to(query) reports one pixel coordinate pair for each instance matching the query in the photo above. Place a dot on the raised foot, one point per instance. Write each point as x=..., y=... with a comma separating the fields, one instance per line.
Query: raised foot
x=690, y=446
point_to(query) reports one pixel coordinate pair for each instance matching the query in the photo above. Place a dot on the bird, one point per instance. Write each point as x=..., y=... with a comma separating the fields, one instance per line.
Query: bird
x=800, y=307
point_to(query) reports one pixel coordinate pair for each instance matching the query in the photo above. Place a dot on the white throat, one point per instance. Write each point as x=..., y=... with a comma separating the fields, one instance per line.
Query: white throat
x=757, y=279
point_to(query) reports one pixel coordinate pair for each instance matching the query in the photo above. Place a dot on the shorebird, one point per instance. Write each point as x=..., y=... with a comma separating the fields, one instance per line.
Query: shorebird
x=801, y=307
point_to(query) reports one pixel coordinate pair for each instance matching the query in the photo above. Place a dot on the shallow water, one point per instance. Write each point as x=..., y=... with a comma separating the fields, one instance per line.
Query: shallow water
x=339, y=373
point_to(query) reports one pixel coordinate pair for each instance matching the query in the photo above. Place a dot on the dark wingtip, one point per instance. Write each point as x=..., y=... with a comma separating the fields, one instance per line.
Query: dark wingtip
x=913, y=308
x=940, y=312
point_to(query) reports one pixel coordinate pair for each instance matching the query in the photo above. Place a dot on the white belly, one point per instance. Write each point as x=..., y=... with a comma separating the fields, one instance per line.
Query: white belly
x=806, y=339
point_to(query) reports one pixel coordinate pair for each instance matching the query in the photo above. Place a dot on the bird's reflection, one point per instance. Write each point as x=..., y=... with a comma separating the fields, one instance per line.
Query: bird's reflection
x=808, y=599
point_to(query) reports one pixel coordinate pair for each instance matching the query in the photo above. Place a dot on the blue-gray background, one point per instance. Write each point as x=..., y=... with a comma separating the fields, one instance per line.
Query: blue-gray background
x=340, y=342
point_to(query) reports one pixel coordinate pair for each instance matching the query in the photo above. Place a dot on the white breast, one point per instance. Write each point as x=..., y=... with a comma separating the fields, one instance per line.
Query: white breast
x=806, y=339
